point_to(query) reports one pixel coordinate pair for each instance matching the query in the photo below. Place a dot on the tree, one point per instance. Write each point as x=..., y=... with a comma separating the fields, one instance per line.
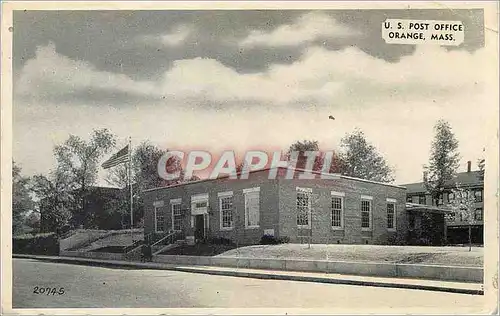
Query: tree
x=55, y=199
x=78, y=159
x=443, y=162
x=480, y=166
x=21, y=198
x=144, y=176
x=358, y=158
x=301, y=147
x=462, y=205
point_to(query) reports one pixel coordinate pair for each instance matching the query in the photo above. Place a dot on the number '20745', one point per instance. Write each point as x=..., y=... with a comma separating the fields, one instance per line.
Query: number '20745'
x=48, y=290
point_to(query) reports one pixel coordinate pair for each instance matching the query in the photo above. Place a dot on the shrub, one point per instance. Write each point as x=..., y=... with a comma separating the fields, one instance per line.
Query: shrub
x=271, y=240
x=219, y=241
x=43, y=244
x=396, y=240
x=284, y=240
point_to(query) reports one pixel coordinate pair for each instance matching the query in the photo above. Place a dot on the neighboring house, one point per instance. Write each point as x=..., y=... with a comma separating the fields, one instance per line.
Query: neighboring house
x=456, y=227
x=340, y=209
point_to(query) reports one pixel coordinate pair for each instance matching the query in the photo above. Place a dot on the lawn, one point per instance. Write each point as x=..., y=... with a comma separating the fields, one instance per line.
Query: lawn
x=454, y=256
x=199, y=250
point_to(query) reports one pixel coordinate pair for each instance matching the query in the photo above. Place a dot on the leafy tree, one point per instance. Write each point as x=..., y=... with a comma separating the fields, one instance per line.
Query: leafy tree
x=359, y=158
x=144, y=176
x=462, y=205
x=21, y=198
x=32, y=220
x=443, y=162
x=301, y=148
x=78, y=159
x=480, y=166
x=55, y=199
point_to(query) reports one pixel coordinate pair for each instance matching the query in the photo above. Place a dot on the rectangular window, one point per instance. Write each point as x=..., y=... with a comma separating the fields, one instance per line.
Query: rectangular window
x=159, y=220
x=421, y=199
x=478, y=195
x=176, y=216
x=226, y=212
x=478, y=215
x=337, y=211
x=409, y=199
x=452, y=217
x=451, y=196
x=366, y=209
x=252, y=207
x=440, y=199
x=391, y=216
x=303, y=208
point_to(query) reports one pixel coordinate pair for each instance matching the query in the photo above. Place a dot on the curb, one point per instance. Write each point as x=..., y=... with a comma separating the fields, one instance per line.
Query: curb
x=254, y=275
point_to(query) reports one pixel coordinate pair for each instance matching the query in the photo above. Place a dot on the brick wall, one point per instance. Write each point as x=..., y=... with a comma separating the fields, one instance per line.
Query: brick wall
x=322, y=231
x=278, y=209
x=268, y=206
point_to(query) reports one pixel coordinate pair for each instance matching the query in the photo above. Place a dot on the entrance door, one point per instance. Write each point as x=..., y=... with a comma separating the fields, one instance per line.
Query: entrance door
x=199, y=227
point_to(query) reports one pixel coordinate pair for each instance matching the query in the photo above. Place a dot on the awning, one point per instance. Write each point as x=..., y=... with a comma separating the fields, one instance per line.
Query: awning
x=414, y=207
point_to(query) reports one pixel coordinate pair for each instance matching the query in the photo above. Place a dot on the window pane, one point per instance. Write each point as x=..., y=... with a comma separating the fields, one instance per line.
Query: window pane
x=390, y=215
x=176, y=209
x=252, y=208
x=421, y=199
x=478, y=216
x=303, y=209
x=478, y=195
x=226, y=204
x=365, y=214
x=336, y=212
x=160, y=220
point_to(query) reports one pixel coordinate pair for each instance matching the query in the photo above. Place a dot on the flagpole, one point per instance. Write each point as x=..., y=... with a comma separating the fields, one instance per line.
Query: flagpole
x=130, y=182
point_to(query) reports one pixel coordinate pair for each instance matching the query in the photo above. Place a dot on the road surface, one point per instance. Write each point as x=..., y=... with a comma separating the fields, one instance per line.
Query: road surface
x=102, y=287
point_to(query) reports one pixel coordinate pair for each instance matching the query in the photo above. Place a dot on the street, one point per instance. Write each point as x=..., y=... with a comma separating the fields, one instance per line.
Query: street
x=100, y=287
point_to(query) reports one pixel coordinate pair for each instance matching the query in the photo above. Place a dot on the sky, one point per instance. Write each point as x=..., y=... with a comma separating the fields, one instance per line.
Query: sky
x=244, y=80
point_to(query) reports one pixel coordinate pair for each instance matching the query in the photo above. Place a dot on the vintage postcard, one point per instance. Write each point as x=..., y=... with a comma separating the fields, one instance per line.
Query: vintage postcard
x=249, y=158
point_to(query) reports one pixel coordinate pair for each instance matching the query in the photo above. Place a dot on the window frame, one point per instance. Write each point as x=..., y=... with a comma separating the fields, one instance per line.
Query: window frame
x=221, y=196
x=307, y=192
x=341, y=196
x=480, y=209
x=481, y=195
x=173, y=203
x=158, y=207
x=424, y=197
x=392, y=202
x=248, y=192
x=369, y=199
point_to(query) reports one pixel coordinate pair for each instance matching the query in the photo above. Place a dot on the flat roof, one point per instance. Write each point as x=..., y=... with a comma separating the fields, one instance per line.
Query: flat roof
x=425, y=208
x=330, y=176
x=465, y=179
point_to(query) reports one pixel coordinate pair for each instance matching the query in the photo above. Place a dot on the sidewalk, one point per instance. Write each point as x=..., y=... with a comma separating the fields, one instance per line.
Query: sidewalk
x=417, y=284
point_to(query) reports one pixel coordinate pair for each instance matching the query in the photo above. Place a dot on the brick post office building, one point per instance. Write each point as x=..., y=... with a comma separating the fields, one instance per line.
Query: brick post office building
x=338, y=209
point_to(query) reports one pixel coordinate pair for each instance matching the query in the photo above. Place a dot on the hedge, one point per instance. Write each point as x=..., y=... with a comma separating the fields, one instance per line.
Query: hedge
x=43, y=244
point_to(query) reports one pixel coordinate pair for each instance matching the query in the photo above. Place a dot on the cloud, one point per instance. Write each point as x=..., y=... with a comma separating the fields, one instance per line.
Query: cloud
x=51, y=75
x=347, y=77
x=200, y=103
x=175, y=37
x=307, y=28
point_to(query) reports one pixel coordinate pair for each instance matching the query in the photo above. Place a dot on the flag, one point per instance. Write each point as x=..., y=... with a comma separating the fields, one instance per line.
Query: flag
x=118, y=158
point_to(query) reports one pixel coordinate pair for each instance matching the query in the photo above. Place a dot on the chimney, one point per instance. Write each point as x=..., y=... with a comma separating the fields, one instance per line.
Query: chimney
x=468, y=166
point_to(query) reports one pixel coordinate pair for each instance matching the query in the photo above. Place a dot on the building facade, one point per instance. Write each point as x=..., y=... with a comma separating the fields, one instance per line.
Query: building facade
x=456, y=227
x=338, y=210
